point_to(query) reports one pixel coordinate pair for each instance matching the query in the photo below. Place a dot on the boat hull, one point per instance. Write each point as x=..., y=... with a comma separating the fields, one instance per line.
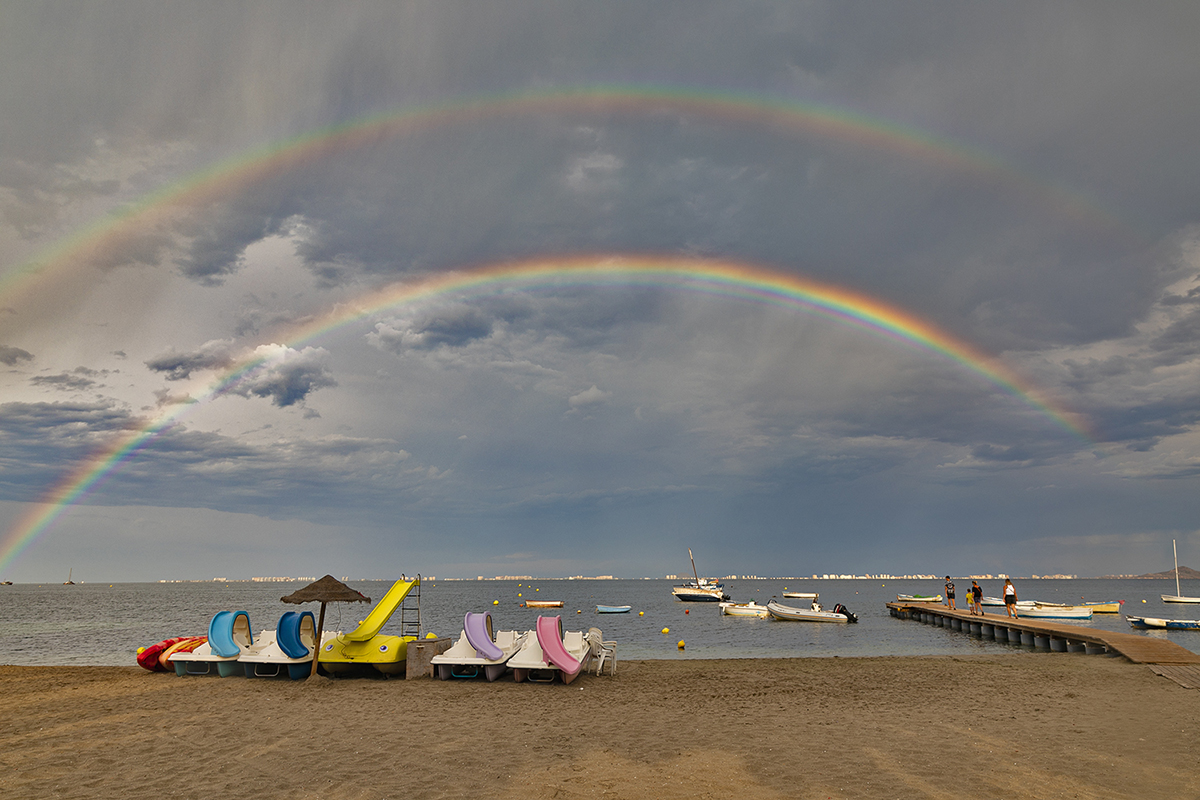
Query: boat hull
x=1042, y=611
x=918, y=598
x=1163, y=624
x=782, y=612
x=744, y=610
x=613, y=609
x=1174, y=598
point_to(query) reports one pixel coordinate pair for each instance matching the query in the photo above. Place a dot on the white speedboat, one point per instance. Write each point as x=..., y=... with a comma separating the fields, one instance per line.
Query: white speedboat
x=751, y=609
x=839, y=614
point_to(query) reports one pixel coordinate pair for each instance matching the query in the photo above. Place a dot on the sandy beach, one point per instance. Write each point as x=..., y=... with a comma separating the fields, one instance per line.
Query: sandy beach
x=1031, y=725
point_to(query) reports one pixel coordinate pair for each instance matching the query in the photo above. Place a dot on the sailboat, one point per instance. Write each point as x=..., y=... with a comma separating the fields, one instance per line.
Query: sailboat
x=703, y=590
x=1177, y=598
x=68, y=581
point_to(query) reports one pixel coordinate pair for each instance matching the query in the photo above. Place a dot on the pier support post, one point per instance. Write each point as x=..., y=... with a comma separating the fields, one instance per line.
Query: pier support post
x=1041, y=641
x=1094, y=649
x=976, y=629
x=1058, y=645
x=1014, y=636
x=987, y=631
x=1027, y=638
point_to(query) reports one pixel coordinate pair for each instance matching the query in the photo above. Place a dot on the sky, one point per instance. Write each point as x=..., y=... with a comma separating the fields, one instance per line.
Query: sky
x=567, y=288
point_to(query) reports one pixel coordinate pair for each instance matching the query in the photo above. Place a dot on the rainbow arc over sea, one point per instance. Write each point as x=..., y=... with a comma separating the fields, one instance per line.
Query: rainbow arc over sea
x=156, y=212
x=722, y=278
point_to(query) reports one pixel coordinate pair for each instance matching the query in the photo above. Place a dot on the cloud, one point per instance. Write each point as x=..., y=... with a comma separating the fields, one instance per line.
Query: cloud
x=287, y=375
x=452, y=327
x=12, y=355
x=213, y=355
x=588, y=398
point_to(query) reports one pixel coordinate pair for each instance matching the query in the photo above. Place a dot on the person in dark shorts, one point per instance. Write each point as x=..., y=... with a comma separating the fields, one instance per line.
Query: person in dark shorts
x=949, y=592
x=976, y=593
x=1010, y=598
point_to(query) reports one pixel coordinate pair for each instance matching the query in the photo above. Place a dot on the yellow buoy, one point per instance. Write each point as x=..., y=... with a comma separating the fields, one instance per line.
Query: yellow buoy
x=681, y=644
x=518, y=594
x=431, y=635
x=666, y=630
x=578, y=611
x=141, y=650
x=641, y=613
x=495, y=602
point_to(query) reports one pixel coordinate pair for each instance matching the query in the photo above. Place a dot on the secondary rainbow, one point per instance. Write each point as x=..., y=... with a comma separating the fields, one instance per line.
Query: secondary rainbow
x=721, y=278
x=157, y=212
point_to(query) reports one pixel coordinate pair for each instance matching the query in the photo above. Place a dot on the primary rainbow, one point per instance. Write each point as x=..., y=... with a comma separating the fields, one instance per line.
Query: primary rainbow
x=722, y=278
x=157, y=211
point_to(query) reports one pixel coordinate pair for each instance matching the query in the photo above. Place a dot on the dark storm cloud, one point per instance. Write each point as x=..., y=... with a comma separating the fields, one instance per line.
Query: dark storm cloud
x=12, y=355
x=214, y=355
x=453, y=327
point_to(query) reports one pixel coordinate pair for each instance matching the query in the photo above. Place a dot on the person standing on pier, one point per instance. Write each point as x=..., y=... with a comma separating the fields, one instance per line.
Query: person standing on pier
x=976, y=593
x=1010, y=598
x=949, y=592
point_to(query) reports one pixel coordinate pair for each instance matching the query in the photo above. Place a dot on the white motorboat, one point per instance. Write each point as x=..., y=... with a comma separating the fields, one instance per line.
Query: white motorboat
x=839, y=614
x=751, y=609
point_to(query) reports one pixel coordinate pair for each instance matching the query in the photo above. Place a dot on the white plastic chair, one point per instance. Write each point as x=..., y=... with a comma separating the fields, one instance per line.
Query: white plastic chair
x=602, y=651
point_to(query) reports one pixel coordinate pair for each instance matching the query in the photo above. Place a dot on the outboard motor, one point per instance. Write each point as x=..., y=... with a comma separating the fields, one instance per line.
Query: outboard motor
x=841, y=609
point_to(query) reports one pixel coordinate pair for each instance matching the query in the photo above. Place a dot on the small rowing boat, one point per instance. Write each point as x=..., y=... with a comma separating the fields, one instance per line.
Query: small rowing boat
x=801, y=595
x=1109, y=607
x=613, y=609
x=919, y=599
x=543, y=603
x=1035, y=610
x=1167, y=624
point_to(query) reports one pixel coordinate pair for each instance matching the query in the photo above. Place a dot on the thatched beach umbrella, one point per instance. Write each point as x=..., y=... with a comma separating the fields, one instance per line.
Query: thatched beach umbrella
x=327, y=590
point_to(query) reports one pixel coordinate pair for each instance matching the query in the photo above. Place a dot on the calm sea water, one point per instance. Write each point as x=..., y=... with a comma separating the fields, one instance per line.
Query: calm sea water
x=103, y=624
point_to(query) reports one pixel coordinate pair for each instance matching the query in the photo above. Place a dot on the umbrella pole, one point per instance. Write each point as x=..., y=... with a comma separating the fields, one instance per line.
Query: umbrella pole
x=317, y=644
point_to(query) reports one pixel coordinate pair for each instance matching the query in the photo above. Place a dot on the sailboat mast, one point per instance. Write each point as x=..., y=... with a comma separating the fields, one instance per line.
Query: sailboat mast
x=697, y=577
x=1175, y=551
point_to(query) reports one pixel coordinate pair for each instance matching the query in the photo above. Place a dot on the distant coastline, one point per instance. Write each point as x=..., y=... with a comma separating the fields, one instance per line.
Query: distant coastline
x=1184, y=573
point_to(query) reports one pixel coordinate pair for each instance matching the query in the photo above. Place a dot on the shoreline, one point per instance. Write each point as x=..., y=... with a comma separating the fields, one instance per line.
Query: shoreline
x=867, y=727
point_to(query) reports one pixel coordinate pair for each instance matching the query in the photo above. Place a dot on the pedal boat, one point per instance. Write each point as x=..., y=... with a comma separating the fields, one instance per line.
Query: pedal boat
x=548, y=654
x=365, y=645
x=228, y=635
x=289, y=647
x=476, y=652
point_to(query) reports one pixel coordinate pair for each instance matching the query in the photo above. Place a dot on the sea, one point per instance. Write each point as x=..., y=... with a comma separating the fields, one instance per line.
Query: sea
x=104, y=624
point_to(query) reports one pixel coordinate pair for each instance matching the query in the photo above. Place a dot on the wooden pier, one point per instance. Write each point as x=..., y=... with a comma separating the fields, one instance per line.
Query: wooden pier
x=1054, y=636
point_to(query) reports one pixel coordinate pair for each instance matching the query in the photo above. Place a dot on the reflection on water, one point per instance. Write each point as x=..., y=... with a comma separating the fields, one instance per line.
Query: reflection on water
x=100, y=624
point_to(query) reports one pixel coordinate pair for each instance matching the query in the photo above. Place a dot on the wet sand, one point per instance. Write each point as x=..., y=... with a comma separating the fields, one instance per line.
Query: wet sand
x=1008, y=726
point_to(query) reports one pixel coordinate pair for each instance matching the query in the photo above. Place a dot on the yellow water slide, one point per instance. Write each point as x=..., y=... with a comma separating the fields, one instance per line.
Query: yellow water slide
x=365, y=645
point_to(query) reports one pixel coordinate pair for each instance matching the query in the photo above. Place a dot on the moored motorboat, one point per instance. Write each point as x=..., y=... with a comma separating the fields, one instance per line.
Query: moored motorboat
x=751, y=609
x=477, y=651
x=801, y=595
x=839, y=614
x=1165, y=624
x=918, y=598
x=543, y=603
x=1035, y=610
x=613, y=609
x=992, y=601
